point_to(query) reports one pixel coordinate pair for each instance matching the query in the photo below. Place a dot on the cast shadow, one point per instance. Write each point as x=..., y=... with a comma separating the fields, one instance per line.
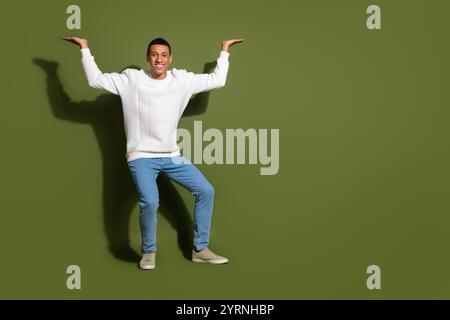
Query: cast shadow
x=119, y=195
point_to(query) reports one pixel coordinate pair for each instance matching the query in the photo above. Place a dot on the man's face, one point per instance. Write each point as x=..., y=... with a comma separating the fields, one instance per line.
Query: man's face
x=159, y=58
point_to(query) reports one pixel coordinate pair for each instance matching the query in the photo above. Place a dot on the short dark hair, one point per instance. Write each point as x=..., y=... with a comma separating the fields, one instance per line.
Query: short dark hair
x=159, y=41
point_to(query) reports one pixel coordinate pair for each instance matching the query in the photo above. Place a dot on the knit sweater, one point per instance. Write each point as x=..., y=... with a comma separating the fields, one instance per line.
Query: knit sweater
x=152, y=108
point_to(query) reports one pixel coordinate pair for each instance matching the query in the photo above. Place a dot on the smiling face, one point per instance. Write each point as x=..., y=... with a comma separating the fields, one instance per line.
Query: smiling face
x=160, y=58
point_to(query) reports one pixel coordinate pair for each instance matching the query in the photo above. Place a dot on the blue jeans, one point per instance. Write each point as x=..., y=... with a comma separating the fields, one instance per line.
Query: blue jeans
x=145, y=171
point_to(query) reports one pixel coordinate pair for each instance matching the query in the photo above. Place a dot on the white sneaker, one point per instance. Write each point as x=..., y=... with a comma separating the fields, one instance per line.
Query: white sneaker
x=208, y=256
x=148, y=261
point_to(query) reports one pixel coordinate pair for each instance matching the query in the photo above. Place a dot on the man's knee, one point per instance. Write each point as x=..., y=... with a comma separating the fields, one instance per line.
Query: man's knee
x=207, y=191
x=149, y=203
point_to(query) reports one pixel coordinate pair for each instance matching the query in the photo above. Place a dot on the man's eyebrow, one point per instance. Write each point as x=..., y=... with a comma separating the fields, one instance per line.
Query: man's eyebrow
x=158, y=52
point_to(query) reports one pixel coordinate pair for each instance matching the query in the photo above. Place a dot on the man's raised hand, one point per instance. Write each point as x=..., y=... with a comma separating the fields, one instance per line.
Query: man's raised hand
x=228, y=43
x=83, y=43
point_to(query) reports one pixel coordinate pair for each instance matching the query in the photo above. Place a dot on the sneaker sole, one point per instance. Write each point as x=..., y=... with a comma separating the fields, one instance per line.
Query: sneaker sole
x=147, y=267
x=210, y=261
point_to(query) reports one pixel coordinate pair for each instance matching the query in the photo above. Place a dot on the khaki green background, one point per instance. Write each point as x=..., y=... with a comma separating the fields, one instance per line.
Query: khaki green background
x=364, y=151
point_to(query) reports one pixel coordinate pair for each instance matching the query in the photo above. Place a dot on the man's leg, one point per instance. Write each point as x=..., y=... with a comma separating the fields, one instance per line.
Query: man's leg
x=190, y=177
x=144, y=172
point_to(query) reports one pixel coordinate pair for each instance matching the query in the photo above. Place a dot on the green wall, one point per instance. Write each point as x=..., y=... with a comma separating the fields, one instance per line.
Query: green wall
x=364, y=151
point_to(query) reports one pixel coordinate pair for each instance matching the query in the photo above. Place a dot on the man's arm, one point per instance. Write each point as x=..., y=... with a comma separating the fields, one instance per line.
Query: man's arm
x=216, y=79
x=112, y=82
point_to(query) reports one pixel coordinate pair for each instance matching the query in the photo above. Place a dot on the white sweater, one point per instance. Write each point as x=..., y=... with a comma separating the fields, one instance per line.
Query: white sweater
x=152, y=108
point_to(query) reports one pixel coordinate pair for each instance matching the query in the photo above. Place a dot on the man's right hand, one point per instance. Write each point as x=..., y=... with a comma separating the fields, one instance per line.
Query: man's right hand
x=83, y=43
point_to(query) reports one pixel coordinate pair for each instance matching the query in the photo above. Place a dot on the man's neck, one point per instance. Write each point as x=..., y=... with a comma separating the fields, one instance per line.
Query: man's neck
x=160, y=77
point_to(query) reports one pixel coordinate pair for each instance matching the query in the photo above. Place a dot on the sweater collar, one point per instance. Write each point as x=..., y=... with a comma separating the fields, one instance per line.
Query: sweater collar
x=166, y=79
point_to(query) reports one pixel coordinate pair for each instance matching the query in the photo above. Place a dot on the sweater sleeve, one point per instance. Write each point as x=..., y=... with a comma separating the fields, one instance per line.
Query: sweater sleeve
x=209, y=81
x=113, y=82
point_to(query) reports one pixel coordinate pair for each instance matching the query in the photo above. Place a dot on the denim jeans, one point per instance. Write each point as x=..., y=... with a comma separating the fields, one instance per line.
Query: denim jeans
x=144, y=172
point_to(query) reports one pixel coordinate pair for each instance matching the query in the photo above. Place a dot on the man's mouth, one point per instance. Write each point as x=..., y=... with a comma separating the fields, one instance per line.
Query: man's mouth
x=159, y=66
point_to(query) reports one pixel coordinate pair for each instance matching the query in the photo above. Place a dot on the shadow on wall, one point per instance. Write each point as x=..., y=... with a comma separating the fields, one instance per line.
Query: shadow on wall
x=119, y=194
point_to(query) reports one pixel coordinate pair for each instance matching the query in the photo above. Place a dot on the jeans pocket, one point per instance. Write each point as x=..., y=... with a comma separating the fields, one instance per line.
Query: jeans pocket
x=183, y=160
x=131, y=164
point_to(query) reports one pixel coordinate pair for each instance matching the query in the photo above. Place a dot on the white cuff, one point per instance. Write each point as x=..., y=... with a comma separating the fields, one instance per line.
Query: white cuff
x=224, y=54
x=85, y=52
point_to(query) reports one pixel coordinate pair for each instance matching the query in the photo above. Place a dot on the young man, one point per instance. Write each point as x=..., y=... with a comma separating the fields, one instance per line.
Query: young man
x=153, y=102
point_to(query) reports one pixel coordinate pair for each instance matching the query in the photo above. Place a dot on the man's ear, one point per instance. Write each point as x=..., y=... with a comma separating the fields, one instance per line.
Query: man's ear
x=170, y=61
x=147, y=58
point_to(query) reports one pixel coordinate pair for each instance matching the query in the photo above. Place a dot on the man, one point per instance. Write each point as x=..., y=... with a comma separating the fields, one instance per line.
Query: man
x=153, y=102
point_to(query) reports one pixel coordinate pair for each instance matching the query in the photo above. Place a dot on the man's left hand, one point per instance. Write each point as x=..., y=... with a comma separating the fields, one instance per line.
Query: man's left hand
x=228, y=43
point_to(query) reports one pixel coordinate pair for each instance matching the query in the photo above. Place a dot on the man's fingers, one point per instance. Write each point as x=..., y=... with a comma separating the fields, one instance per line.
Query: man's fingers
x=70, y=39
x=76, y=40
x=233, y=41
